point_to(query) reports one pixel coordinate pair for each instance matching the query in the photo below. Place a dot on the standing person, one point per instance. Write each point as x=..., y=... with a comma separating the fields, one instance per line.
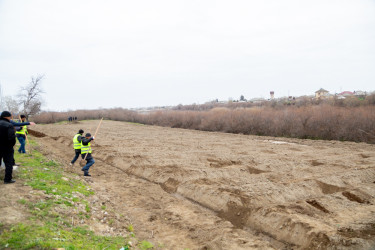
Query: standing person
x=21, y=136
x=86, y=149
x=18, y=124
x=77, y=145
x=7, y=142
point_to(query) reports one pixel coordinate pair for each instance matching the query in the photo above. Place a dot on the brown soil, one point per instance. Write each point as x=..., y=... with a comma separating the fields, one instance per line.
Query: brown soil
x=202, y=190
x=317, y=205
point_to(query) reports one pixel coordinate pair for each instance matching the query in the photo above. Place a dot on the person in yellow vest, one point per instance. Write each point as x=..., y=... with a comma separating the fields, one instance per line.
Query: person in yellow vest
x=86, y=149
x=21, y=133
x=77, y=146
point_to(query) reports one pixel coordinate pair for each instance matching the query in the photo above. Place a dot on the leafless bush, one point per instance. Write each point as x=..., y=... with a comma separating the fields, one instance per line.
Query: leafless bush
x=309, y=122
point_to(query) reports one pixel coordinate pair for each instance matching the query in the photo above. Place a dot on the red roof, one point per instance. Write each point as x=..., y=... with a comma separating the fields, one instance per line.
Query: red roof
x=346, y=93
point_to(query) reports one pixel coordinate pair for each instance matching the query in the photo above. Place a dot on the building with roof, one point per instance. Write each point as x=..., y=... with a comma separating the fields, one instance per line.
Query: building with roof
x=321, y=93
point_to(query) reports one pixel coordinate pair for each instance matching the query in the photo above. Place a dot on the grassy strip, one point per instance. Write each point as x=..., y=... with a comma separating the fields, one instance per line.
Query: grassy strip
x=52, y=235
x=50, y=224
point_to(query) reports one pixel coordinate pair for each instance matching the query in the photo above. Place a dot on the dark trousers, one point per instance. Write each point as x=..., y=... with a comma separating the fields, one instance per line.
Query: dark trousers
x=7, y=156
x=22, y=141
x=1, y=158
x=78, y=153
x=89, y=163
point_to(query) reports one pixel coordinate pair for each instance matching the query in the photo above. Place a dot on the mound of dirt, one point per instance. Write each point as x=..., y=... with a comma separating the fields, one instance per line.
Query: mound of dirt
x=36, y=133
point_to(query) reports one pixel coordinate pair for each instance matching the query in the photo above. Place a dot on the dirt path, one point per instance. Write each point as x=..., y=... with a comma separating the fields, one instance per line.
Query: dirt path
x=201, y=190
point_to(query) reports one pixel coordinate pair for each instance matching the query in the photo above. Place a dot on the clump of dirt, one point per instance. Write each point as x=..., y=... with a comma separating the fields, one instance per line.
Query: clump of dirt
x=317, y=205
x=255, y=170
x=320, y=241
x=364, y=156
x=301, y=210
x=367, y=232
x=219, y=163
x=152, y=218
x=353, y=197
x=36, y=133
x=328, y=188
x=170, y=185
x=316, y=163
x=236, y=214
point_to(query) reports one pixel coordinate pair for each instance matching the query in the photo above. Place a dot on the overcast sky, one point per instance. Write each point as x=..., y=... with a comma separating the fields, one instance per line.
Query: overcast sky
x=120, y=53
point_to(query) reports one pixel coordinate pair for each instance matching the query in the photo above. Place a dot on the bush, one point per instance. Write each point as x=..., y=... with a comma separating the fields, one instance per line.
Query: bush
x=329, y=122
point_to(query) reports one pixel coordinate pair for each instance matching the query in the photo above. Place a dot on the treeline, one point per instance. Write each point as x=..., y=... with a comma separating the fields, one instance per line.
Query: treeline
x=307, y=122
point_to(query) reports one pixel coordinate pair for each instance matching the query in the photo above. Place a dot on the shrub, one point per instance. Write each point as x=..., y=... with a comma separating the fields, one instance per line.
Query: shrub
x=329, y=122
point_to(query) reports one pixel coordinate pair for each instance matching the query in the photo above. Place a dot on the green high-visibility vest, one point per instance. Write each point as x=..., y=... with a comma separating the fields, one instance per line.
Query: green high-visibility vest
x=85, y=148
x=23, y=131
x=76, y=143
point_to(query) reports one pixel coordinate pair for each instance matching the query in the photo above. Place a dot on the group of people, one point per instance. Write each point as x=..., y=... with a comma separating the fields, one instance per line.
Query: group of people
x=82, y=146
x=72, y=118
x=9, y=130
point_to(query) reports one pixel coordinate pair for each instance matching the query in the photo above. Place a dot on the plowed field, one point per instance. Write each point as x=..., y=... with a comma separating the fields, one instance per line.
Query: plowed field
x=204, y=190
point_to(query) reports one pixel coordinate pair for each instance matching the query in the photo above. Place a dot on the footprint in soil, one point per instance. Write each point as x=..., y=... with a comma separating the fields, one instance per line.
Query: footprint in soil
x=315, y=163
x=328, y=188
x=256, y=171
x=355, y=198
x=317, y=205
x=170, y=185
x=220, y=163
x=364, y=156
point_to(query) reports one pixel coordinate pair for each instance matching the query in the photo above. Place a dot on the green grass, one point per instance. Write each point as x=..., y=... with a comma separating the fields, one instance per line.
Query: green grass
x=130, y=228
x=47, y=175
x=145, y=245
x=50, y=236
x=45, y=228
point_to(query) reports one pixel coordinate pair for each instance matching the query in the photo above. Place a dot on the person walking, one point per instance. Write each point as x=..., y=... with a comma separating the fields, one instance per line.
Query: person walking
x=86, y=149
x=7, y=142
x=77, y=145
x=21, y=134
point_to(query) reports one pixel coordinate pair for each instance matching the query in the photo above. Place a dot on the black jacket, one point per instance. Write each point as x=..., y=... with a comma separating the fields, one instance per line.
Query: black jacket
x=7, y=136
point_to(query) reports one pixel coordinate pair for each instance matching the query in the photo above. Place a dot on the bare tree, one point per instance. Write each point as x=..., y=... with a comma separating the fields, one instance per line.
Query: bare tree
x=11, y=105
x=30, y=97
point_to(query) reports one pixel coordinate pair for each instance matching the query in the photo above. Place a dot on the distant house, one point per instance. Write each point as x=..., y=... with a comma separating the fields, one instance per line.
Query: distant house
x=360, y=94
x=321, y=93
x=346, y=94
x=257, y=100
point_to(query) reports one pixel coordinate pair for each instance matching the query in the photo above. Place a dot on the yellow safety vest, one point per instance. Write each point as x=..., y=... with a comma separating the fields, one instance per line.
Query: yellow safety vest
x=76, y=143
x=85, y=148
x=23, y=131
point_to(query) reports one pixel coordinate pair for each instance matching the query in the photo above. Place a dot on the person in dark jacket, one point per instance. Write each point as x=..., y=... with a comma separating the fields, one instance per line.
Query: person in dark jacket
x=77, y=145
x=17, y=124
x=86, y=149
x=7, y=142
